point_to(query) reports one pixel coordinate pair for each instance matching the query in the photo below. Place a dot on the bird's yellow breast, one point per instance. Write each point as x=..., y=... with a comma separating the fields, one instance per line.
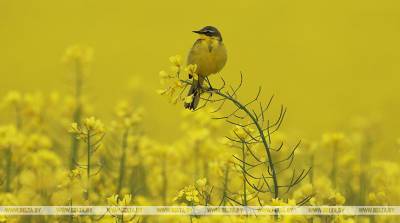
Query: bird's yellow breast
x=209, y=54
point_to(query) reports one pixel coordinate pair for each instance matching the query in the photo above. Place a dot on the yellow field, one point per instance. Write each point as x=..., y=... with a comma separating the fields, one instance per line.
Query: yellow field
x=82, y=120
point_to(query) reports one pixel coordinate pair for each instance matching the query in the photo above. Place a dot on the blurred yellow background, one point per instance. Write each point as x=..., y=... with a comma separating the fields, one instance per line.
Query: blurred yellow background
x=328, y=61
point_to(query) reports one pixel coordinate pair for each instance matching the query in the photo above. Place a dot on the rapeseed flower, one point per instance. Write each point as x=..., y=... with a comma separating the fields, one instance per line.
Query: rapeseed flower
x=90, y=126
x=188, y=195
x=13, y=98
x=116, y=200
x=176, y=60
x=10, y=138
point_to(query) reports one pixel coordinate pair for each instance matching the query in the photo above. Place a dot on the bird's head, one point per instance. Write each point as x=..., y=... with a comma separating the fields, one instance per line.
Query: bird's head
x=209, y=32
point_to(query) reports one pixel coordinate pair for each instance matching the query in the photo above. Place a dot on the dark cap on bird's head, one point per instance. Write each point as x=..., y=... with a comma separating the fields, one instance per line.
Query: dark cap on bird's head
x=210, y=31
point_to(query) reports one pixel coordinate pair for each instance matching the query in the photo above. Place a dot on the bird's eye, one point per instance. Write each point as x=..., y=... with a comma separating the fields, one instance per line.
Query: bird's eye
x=209, y=32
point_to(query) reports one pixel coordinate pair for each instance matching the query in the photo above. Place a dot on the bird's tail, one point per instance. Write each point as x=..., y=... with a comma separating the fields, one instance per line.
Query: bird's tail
x=195, y=90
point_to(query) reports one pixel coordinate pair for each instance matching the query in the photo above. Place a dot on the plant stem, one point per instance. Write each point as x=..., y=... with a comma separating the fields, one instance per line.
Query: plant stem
x=262, y=136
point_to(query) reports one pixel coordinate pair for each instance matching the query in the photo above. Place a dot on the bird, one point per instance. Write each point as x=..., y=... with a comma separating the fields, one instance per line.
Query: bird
x=209, y=54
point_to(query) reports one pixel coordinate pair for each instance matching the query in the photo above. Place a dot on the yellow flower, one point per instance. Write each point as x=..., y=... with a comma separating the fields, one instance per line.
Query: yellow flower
x=90, y=127
x=3, y=219
x=126, y=200
x=176, y=60
x=92, y=124
x=336, y=199
x=33, y=104
x=378, y=198
x=192, y=194
x=10, y=138
x=333, y=137
x=191, y=69
x=277, y=202
x=178, y=84
x=38, y=141
x=201, y=182
x=115, y=200
x=295, y=219
x=189, y=99
x=13, y=98
x=179, y=196
x=292, y=202
x=74, y=128
x=188, y=195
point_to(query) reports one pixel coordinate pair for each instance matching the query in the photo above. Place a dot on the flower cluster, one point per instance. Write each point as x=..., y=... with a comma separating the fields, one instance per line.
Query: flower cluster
x=90, y=127
x=188, y=195
x=356, y=166
x=175, y=86
x=10, y=138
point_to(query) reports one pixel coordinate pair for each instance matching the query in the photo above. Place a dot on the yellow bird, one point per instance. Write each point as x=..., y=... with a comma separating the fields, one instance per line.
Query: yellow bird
x=209, y=54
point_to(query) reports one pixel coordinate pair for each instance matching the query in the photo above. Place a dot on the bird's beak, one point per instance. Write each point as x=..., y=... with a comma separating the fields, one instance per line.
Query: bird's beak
x=198, y=32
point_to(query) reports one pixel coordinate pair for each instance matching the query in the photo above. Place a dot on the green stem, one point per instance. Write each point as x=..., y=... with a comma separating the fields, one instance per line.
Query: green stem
x=262, y=136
